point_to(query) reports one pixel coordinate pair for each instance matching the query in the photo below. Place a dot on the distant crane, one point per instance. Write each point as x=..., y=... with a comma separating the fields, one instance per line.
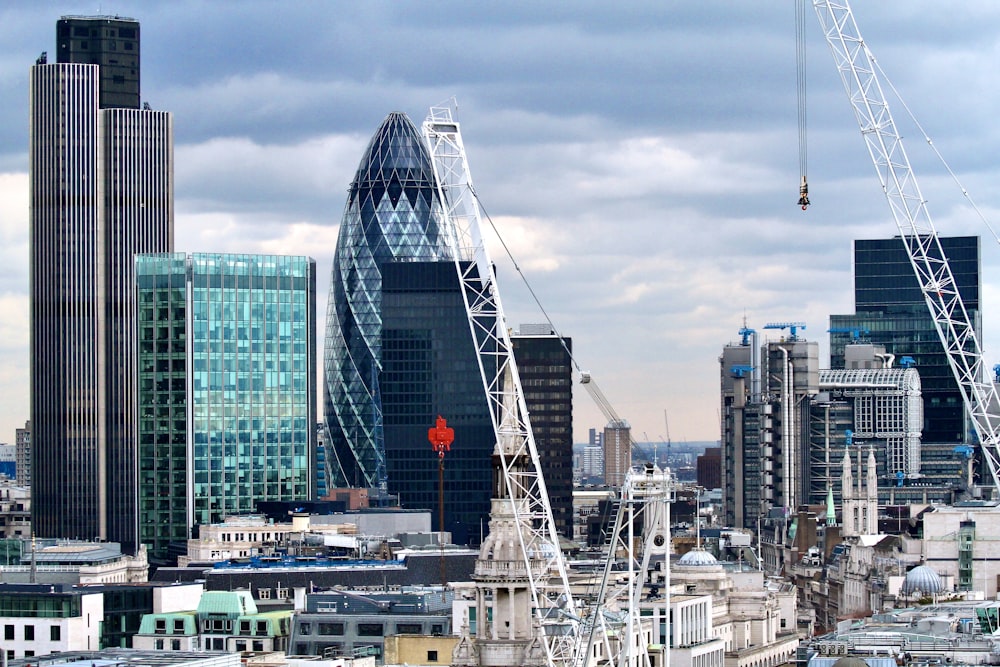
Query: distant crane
x=666, y=425
x=793, y=328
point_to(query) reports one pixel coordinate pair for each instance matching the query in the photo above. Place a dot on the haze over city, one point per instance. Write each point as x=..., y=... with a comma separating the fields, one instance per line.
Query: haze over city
x=640, y=162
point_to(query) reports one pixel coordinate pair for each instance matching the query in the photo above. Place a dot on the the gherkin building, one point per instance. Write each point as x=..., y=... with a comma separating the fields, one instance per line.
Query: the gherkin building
x=393, y=214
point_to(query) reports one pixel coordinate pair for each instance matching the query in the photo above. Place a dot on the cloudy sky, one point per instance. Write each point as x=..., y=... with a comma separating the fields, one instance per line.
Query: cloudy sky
x=640, y=159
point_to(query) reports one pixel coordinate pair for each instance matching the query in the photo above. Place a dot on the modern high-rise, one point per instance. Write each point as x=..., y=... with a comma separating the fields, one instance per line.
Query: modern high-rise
x=112, y=43
x=429, y=369
x=101, y=190
x=22, y=441
x=226, y=367
x=393, y=215
x=545, y=366
x=617, y=444
x=765, y=401
x=891, y=311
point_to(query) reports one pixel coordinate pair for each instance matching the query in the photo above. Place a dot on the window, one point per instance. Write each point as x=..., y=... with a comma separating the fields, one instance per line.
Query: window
x=369, y=629
x=258, y=645
x=158, y=644
x=437, y=629
x=241, y=644
x=432, y=656
x=55, y=633
x=331, y=628
x=161, y=625
x=305, y=628
x=8, y=632
x=261, y=628
x=29, y=633
x=244, y=627
x=179, y=625
x=175, y=644
x=408, y=629
x=29, y=654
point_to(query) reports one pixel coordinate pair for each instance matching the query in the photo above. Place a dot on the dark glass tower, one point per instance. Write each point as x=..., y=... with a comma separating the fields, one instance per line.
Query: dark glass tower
x=890, y=310
x=546, y=370
x=429, y=369
x=112, y=42
x=101, y=187
x=393, y=214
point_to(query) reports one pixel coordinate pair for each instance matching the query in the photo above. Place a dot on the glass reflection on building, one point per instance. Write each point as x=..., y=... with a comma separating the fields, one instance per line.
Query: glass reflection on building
x=226, y=377
x=393, y=214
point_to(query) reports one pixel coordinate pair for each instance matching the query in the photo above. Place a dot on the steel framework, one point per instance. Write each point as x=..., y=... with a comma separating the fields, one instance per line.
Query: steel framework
x=859, y=73
x=552, y=599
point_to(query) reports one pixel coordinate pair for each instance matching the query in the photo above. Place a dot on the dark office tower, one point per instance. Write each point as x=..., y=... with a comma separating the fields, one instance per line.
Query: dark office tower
x=546, y=371
x=890, y=310
x=112, y=43
x=101, y=191
x=429, y=369
x=393, y=214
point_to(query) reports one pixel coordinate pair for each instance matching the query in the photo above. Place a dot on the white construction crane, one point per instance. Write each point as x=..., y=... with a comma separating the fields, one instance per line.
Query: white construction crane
x=860, y=75
x=552, y=599
x=569, y=631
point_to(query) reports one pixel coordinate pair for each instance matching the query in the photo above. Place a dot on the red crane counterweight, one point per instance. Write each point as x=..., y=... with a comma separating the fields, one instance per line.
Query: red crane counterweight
x=441, y=436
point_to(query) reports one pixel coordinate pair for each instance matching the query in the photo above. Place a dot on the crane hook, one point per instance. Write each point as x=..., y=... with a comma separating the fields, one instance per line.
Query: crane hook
x=804, y=194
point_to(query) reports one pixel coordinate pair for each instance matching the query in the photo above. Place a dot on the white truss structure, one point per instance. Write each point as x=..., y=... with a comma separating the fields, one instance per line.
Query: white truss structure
x=858, y=71
x=551, y=596
x=646, y=496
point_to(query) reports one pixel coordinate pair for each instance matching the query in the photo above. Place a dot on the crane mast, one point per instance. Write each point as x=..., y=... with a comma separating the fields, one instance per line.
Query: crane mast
x=858, y=71
x=552, y=598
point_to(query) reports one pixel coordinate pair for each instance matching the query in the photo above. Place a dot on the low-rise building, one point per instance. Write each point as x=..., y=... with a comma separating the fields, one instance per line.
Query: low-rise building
x=49, y=561
x=222, y=621
x=342, y=621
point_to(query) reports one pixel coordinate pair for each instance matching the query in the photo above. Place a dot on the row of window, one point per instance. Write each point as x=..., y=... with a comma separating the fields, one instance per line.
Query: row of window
x=366, y=629
x=55, y=633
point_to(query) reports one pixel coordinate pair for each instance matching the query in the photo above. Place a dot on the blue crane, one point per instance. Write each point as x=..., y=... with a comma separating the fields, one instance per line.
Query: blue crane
x=792, y=327
x=856, y=332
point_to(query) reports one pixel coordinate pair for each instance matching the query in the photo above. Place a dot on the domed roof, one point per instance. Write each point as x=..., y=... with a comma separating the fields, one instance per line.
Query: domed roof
x=850, y=661
x=697, y=557
x=923, y=579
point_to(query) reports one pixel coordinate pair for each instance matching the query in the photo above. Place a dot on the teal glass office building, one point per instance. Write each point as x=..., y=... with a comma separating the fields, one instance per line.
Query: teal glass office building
x=226, y=388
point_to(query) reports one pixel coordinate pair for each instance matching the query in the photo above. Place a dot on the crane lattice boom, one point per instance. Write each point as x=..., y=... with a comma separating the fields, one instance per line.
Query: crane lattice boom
x=858, y=72
x=551, y=595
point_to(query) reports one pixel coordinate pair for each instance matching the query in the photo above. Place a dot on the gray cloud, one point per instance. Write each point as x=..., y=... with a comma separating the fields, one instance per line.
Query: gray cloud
x=640, y=160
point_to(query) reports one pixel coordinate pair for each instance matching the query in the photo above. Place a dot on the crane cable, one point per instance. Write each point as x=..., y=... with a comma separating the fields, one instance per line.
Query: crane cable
x=524, y=279
x=930, y=142
x=800, y=80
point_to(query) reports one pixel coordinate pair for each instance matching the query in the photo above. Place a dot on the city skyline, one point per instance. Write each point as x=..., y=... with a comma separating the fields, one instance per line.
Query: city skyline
x=648, y=194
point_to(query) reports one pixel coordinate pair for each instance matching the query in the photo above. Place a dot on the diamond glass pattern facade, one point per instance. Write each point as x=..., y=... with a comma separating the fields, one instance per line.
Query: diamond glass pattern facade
x=393, y=214
x=227, y=388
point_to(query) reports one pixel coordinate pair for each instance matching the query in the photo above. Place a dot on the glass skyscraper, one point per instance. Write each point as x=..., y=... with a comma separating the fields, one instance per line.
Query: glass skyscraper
x=890, y=310
x=429, y=369
x=227, y=388
x=393, y=214
x=101, y=172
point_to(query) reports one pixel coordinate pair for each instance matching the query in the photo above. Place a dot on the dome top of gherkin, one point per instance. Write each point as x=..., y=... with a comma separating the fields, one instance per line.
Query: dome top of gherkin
x=396, y=152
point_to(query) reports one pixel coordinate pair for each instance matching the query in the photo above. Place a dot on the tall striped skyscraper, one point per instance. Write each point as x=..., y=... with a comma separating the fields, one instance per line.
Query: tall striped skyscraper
x=101, y=191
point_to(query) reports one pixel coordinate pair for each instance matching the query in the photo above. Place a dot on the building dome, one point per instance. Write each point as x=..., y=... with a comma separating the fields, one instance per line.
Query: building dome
x=923, y=579
x=850, y=661
x=697, y=557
